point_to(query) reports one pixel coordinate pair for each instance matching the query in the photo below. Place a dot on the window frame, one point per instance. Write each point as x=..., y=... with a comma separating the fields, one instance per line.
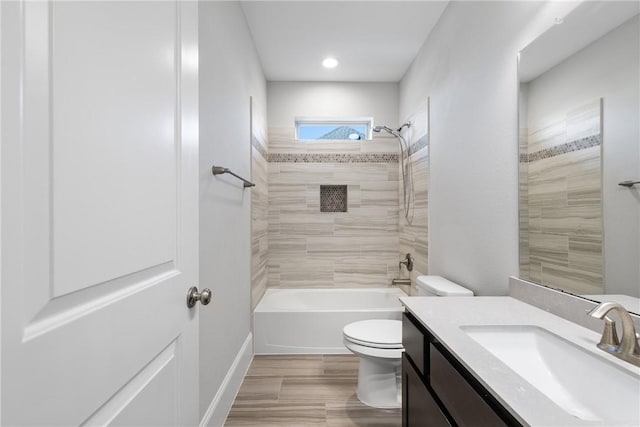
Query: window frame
x=338, y=121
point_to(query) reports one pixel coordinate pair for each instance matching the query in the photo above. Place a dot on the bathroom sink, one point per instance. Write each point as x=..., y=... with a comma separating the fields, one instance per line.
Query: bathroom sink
x=582, y=383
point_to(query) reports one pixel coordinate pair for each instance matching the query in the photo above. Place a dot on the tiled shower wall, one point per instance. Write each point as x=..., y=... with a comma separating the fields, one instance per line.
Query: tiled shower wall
x=309, y=248
x=259, y=205
x=523, y=200
x=561, y=212
x=413, y=236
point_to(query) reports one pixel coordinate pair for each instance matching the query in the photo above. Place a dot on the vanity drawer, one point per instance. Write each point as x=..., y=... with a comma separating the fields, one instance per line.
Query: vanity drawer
x=418, y=406
x=464, y=403
x=414, y=342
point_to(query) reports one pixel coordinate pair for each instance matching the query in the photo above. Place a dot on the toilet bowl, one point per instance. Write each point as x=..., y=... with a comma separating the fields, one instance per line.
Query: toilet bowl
x=378, y=344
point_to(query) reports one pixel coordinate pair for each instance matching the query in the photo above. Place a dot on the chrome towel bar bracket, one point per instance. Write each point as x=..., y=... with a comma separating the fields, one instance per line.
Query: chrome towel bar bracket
x=219, y=170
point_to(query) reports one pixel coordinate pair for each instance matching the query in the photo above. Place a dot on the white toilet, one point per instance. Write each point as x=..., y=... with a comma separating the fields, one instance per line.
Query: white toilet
x=378, y=343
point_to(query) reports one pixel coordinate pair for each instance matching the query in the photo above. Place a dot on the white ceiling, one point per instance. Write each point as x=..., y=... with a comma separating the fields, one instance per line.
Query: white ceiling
x=374, y=41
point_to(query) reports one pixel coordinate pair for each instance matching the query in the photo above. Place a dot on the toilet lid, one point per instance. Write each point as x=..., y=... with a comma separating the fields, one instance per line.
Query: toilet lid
x=375, y=333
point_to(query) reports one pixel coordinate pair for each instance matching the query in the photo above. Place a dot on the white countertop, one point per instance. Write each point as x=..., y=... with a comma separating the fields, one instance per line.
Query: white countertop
x=443, y=317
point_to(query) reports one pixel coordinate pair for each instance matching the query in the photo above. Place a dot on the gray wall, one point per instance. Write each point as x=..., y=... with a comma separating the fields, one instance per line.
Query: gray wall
x=467, y=67
x=229, y=74
x=332, y=99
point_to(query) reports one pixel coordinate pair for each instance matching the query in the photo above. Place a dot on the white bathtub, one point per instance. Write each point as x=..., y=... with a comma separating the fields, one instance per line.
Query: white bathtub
x=310, y=321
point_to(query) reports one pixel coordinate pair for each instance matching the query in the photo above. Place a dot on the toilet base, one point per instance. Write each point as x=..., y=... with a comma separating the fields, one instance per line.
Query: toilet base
x=380, y=382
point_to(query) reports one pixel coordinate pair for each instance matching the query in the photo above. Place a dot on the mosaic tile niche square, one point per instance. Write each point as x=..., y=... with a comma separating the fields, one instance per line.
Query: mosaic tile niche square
x=333, y=198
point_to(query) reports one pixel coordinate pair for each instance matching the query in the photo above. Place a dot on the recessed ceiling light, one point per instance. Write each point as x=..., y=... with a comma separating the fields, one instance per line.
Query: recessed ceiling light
x=330, y=62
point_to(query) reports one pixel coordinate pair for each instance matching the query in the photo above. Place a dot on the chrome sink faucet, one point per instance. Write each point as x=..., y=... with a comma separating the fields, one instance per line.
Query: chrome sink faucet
x=627, y=348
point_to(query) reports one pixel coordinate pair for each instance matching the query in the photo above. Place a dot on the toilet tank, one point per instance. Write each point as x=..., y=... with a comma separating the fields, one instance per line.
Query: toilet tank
x=440, y=287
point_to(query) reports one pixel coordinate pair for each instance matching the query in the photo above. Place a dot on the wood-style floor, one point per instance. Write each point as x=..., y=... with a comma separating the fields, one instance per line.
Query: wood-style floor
x=305, y=391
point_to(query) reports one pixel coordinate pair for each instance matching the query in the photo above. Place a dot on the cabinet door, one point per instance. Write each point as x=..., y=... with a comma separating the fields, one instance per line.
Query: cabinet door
x=463, y=403
x=419, y=409
x=413, y=340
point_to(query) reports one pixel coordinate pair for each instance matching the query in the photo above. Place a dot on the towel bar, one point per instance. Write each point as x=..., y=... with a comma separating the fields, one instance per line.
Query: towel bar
x=218, y=170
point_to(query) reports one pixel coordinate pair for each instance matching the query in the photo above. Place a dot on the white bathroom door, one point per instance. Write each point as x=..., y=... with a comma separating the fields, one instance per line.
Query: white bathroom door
x=99, y=188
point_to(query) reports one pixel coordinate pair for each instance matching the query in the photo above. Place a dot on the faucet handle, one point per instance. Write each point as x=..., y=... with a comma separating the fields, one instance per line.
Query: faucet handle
x=609, y=340
x=407, y=262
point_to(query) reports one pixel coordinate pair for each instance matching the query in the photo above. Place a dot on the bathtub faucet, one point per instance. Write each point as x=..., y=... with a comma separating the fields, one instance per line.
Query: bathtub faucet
x=408, y=262
x=401, y=282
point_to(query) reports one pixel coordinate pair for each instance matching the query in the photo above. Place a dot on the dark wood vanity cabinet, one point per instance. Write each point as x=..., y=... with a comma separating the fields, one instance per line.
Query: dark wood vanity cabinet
x=418, y=406
x=438, y=391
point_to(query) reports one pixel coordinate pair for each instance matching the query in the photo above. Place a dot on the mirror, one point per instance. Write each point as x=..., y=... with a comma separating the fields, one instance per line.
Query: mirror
x=579, y=120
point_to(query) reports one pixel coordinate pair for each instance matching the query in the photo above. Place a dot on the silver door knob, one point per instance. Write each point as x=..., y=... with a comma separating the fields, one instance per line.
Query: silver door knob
x=193, y=296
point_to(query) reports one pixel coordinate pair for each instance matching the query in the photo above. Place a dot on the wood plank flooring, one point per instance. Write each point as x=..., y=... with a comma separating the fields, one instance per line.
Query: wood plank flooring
x=303, y=391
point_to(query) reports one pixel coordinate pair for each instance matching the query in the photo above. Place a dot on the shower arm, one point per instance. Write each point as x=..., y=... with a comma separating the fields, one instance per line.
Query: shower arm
x=408, y=125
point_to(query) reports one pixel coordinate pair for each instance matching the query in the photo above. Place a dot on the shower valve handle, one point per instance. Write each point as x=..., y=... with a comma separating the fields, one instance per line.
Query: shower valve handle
x=407, y=262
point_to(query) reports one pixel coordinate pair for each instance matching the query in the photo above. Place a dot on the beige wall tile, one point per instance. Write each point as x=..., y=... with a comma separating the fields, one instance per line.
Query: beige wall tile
x=259, y=206
x=309, y=248
x=560, y=204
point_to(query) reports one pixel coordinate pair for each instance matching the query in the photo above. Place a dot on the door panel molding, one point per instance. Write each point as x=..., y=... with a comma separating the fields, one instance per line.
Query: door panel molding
x=114, y=146
x=71, y=307
x=163, y=362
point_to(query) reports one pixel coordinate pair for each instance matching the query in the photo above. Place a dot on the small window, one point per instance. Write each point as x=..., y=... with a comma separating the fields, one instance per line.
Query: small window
x=316, y=129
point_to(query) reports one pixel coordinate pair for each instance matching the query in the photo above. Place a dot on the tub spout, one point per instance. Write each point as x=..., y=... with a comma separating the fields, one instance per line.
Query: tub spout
x=403, y=282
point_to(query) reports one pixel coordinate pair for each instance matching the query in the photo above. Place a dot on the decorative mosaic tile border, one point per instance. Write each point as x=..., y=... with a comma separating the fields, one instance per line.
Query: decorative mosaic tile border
x=567, y=147
x=259, y=147
x=418, y=145
x=333, y=158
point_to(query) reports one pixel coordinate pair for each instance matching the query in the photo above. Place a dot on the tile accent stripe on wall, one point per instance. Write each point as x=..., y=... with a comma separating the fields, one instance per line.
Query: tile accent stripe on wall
x=339, y=157
x=418, y=145
x=567, y=147
x=259, y=147
x=333, y=158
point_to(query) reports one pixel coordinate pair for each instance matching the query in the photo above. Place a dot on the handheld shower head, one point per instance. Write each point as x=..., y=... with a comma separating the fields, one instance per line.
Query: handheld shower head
x=386, y=129
x=381, y=128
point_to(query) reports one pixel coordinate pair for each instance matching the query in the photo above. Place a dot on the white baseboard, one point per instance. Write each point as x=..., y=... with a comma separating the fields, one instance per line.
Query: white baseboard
x=221, y=404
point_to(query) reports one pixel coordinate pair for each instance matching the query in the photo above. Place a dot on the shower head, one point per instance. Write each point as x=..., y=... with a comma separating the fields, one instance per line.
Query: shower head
x=387, y=129
x=384, y=128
